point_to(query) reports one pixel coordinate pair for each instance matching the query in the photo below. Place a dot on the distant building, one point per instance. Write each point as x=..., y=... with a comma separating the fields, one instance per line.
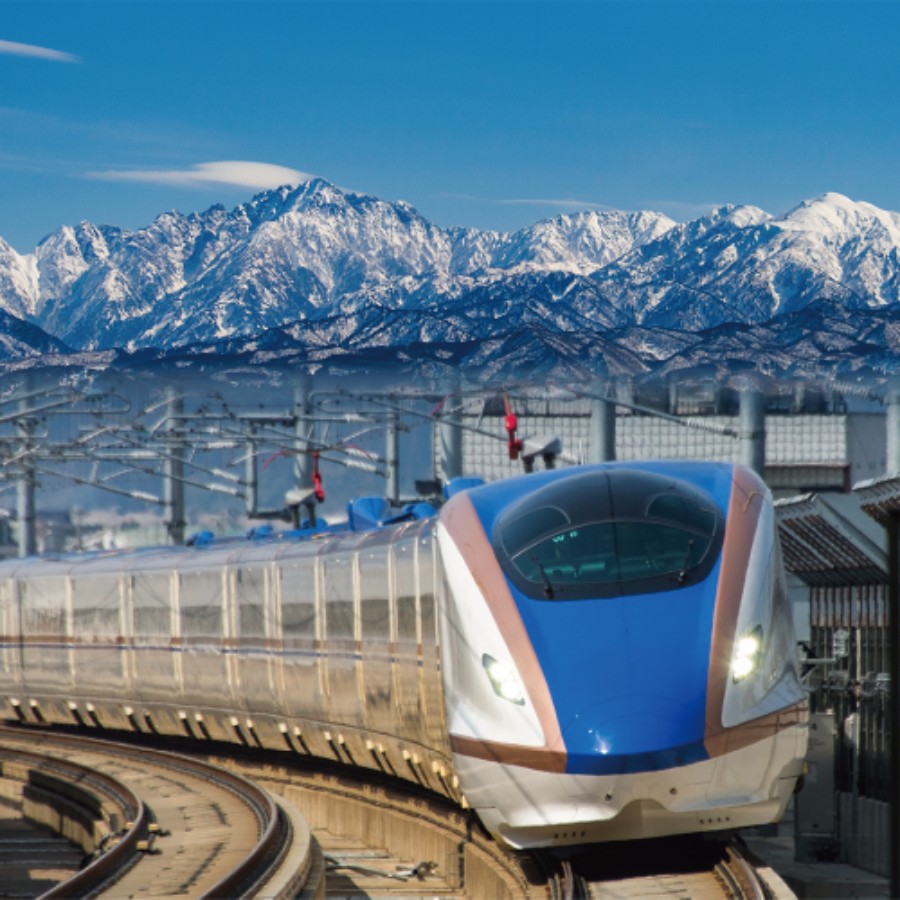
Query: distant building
x=827, y=449
x=836, y=553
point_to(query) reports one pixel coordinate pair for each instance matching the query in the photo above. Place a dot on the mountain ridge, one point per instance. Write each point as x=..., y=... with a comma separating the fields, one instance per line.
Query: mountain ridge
x=328, y=265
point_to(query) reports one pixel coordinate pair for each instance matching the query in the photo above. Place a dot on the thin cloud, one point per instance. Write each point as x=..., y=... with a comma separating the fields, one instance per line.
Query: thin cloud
x=682, y=210
x=11, y=48
x=566, y=203
x=238, y=173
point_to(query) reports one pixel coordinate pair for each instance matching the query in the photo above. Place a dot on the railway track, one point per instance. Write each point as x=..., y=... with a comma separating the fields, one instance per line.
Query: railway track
x=692, y=867
x=148, y=818
x=382, y=837
x=371, y=837
x=371, y=829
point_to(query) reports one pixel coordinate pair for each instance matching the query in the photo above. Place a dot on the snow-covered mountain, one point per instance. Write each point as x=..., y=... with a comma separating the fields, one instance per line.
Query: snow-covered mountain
x=19, y=339
x=292, y=254
x=313, y=272
x=743, y=265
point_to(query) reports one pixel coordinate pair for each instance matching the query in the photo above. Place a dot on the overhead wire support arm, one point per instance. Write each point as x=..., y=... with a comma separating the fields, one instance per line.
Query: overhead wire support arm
x=122, y=492
x=684, y=421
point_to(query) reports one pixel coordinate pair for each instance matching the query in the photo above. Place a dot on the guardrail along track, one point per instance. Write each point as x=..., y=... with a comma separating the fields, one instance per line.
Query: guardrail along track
x=177, y=824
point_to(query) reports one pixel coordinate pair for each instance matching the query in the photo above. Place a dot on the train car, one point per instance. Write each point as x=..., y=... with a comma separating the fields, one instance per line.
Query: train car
x=618, y=653
x=587, y=654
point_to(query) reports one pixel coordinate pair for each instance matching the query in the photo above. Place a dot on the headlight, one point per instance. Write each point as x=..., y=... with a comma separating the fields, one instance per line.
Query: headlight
x=747, y=651
x=504, y=680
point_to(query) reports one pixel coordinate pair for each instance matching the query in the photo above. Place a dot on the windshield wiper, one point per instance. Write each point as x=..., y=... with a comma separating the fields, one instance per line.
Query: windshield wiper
x=549, y=590
x=682, y=575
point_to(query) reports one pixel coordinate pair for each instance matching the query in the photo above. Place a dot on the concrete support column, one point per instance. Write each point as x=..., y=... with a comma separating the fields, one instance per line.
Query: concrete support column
x=752, y=431
x=173, y=467
x=451, y=440
x=603, y=428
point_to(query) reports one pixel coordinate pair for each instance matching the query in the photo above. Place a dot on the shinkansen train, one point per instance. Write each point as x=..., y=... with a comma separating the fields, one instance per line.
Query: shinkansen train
x=585, y=654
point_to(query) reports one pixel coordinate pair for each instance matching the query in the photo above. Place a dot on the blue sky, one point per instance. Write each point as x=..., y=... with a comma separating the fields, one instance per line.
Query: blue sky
x=492, y=115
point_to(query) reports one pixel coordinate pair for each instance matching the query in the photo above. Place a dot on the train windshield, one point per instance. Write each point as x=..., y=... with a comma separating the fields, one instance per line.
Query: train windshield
x=609, y=533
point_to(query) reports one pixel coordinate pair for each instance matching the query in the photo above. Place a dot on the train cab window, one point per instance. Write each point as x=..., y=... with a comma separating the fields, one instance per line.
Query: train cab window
x=609, y=533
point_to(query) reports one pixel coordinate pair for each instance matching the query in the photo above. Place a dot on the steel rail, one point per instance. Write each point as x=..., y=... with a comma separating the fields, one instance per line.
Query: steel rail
x=750, y=884
x=121, y=853
x=273, y=829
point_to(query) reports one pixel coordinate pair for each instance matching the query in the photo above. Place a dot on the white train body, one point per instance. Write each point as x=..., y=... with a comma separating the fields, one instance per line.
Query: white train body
x=565, y=701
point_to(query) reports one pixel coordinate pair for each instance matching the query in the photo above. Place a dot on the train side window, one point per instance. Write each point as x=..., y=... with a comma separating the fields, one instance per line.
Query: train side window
x=44, y=603
x=374, y=592
x=8, y=617
x=298, y=598
x=405, y=589
x=96, y=606
x=202, y=605
x=426, y=573
x=337, y=581
x=9, y=623
x=152, y=593
x=251, y=589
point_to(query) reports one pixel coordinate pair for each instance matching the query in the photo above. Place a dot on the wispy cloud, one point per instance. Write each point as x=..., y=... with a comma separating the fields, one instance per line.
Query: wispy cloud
x=11, y=48
x=683, y=210
x=234, y=172
x=562, y=203
x=565, y=203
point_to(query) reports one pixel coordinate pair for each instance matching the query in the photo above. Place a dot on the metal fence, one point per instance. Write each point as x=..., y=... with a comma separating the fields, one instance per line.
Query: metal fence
x=849, y=627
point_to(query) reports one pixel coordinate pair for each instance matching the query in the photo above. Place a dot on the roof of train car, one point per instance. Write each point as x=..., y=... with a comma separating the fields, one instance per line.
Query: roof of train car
x=258, y=545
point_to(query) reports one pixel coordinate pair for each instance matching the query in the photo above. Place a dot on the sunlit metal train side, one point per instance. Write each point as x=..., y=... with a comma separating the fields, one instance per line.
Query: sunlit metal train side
x=587, y=654
x=325, y=646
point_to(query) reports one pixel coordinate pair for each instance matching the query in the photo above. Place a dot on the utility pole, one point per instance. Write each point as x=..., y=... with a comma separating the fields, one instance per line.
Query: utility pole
x=251, y=500
x=173, y=467
x=304, y=465
x=25, y=506
x=392, y=455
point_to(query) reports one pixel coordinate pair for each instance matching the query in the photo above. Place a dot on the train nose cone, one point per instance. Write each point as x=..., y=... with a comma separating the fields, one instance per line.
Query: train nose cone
x=634, y=733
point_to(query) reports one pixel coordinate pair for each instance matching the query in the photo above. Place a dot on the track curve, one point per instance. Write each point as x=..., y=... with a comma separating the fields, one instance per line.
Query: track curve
x=364, y=835
x=198, y=830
